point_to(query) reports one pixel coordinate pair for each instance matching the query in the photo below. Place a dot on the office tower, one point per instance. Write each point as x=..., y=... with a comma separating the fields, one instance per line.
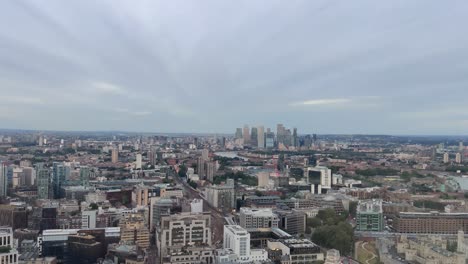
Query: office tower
x=8, y=254
x=205, y=153
x=295, y=141
x=258, y=218
x=446, y=157
x=458, y=158
x=314, y=137
x=269, y=139
x=133, y=229
x=43, y=183
x=460, y=146
x=210, y=170
x=85, y=174
x=28, y=177
x=184, y=229
x=369, y=216
x=59, y=178
x=246, y=134
x=159, y=208
x=88, y=219
x=223, y=142
x=260, y=137
x=201, y=168
x=3, y=179
x=319, y=177
x=221, y=196
x=115, y=155
x=280, y=131
x=253, y=136
x=138, y=161
x=238, y=133
x=292, y=222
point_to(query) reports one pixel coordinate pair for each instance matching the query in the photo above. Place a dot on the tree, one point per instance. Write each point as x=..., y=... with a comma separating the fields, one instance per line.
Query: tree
x=93, y=206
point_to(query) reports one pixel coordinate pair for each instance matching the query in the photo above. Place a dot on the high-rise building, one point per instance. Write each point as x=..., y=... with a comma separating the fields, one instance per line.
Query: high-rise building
x=263, y=179
x=43, y=183
x=138, y=161
x=8, y=254
x=205, y=153
x=369, y=216
x=60, y=172
x=201, y=168
x=246, y=134
x=3, y=179
x=258, y=218
x=179, y=230
x=151, y=157
x=254, y=136
x=238, y=133
x=15, y=216
x=269, y=139
x=210, y=170
x=115, y=155
x=295, y=140
x=446, y=157
x=458, y=158
x=292, y=222
x=85, y=174
x=460, y=146
x=260, y=137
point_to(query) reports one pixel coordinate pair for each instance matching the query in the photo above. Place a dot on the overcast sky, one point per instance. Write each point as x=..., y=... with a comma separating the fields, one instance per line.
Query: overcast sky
x=323, y=66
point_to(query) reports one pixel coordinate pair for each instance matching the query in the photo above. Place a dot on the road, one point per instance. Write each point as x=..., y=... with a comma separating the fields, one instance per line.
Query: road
x=390, y=234
x=217, y=219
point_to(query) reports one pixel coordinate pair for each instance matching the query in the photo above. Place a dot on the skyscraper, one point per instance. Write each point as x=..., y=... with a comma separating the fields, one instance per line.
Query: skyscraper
x=238, y=133
x=460, y=146
x=59, y=178
x=246, y=134
x=43, y=183
x=138, y=161
x=253, y=136
x=3, y=179
x=205, y=153
x=260, y=137
x=458, y=158
x=85, y=174
x=115, y=155
x=295, y=142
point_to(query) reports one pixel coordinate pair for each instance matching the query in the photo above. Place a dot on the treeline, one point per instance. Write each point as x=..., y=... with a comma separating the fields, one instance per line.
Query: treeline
x=238, y=177
x=377, y=172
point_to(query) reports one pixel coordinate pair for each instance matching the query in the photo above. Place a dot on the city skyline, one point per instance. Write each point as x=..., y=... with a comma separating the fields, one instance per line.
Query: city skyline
x=153, y=66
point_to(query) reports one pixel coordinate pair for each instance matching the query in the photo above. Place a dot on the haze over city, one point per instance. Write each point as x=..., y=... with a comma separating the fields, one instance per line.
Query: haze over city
x=386, y=67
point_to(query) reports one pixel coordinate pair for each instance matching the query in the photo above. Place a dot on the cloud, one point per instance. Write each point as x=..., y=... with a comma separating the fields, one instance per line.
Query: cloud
x=107, y=88
x=24, y=100
x=335, y=101
x=130, y=112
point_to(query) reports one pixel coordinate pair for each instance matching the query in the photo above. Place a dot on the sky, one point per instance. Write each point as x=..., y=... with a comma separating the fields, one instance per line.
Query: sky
x=323, y=66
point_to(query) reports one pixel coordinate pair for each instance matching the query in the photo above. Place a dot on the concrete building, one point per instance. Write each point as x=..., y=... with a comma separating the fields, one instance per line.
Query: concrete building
x=115, y=155
x=201, y=168
x=210, y=170
x=88, y=219
x=431, y=223
x=246, y=135
x=263, y=179
x=369, y=216
x=258, y=218
x=428, y=250
x=196, y=206
x=205, y=154
x=319, y=177
x=180, y=230
x=3, y=179
x=8, y=254
x=221, y=196
x=138, y=161
x=292, y=221
x=15, y=216
x=236, y=247
x=295, y=251
x=238, y=134
x=446, y=157
x=333, y=257
x=134, y=229
x=458, y=158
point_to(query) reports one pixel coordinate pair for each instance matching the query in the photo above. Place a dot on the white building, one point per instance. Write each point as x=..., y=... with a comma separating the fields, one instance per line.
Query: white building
x=236, y=247
x=6, y=241
x=138, y=161
x=196, y=206
x=446, y=157
x=88, y=219
x=458, y=158
x=258, y=218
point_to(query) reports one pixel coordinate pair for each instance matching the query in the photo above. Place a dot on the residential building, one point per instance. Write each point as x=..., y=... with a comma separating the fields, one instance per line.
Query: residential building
x=8, y=252
x=260, y=137
x=115, y=155
x=431, y=222
x=3, y=179
x=458, y=158
x=446, y=157
x=133, y=229
x=221, y=196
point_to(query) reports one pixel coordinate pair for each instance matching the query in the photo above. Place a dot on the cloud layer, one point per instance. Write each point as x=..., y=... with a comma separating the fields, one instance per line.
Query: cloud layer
x=393, y=67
